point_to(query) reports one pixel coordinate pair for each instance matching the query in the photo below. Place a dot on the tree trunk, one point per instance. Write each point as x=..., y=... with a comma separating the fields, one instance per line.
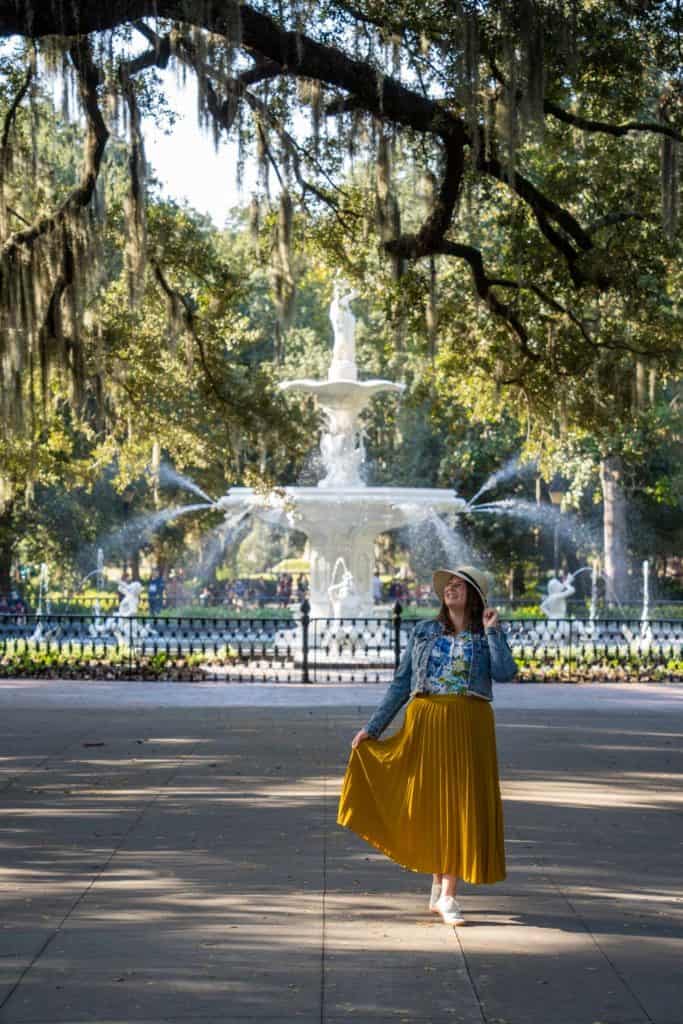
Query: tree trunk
x=614, y=527
x=641, y=382
x=6, y=547
x=7, y=541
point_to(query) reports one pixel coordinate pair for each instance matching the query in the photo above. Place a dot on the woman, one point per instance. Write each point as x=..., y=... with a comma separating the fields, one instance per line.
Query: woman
x=429, y=796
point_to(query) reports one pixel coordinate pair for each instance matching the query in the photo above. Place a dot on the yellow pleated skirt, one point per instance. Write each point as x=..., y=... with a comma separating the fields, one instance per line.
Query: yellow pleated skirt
x=429, y=796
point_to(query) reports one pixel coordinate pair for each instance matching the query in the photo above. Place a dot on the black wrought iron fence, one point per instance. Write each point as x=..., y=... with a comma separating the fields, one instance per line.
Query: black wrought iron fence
x=317, y=650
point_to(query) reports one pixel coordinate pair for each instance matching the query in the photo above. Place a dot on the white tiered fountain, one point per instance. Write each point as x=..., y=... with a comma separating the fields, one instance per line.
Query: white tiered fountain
x=341, y=516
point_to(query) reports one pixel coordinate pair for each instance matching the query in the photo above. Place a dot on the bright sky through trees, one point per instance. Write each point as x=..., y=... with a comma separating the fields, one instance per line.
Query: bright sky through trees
x=185, y=159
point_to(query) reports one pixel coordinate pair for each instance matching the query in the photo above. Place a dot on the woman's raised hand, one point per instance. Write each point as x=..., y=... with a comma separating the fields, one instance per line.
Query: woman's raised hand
x=359, y=737
x=490, y=618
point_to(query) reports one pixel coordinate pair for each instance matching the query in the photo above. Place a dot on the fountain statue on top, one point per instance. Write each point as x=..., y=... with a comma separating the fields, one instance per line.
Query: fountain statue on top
x=342, y=397
x=343, y=365
x=342, y=516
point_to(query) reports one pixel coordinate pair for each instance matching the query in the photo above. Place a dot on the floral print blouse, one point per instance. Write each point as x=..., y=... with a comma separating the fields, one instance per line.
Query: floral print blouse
x=449, y=663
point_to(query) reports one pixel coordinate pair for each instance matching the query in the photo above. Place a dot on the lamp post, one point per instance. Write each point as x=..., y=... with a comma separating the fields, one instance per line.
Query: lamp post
x=557, y=491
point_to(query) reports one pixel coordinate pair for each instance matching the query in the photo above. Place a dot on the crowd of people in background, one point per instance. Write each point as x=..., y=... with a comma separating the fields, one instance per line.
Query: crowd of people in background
x=285, y=590
x=247, y=592
x=172, y=589
x=13, y=604
x=407, y=591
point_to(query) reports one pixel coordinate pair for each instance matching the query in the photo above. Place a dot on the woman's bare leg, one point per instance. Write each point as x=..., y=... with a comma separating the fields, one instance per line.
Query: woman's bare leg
x=448, y=885
x=436, y=879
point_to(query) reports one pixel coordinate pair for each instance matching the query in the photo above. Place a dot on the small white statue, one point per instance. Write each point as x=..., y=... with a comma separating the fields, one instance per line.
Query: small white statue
x=554, y=605
x=117, y=625
x=131, y=598
x=343, y=595
x=344, y=326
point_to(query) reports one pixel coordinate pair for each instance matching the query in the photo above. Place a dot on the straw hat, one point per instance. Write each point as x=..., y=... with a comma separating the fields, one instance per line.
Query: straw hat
x=475, y=577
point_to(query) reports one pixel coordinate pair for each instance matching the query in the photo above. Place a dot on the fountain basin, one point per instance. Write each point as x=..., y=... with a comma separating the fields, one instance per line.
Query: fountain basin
x=342, y=522
x=393, y=506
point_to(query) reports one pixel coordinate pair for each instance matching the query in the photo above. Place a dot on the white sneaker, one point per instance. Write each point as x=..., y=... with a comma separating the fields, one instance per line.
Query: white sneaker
x=450, y=911
x=434, y=896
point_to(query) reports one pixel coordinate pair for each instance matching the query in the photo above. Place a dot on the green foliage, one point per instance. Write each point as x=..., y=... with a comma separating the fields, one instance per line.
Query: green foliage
x=42, y=661
x=190, y=372
x=193, y=611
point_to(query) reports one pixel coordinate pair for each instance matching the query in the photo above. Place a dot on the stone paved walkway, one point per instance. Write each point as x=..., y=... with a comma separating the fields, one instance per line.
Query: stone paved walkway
x=182, y=863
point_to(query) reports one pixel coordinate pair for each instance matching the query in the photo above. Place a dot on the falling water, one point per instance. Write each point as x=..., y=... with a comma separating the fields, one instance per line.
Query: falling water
x=434, y=544
x=593, y=570
x=139, y=529
x=596, y=575
x=594, y=592
x=312, y=470
x=168, y=475
x=455, y=550
x=546, y=515
x=43, y=602
x=511, y=468
x=646, y=592
x=100, y=583
x=98, y=573
x=43, y=588
x=217, y=540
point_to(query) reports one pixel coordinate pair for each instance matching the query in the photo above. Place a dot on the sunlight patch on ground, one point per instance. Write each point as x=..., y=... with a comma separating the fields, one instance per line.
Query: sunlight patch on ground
x=590, y=892
x=118, y=696
x=588, y=794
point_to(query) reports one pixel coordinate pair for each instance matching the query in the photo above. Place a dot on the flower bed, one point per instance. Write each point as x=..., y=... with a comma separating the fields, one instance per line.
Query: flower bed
x=36, y=661
x=23, y=660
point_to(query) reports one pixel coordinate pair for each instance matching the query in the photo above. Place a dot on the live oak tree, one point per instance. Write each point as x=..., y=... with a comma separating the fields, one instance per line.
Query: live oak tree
x=475, y=91
x=176, y=371
x=547, y=134
x=612, y=391
x=179, y=376
x=201, y=399
x=50, y=461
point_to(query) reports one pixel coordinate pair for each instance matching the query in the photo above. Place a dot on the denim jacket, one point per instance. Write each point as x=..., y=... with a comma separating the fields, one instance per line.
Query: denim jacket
x=491, y=659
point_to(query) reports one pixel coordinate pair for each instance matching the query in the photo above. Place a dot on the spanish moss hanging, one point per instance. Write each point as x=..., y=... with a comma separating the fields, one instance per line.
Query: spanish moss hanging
x=671, y=185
